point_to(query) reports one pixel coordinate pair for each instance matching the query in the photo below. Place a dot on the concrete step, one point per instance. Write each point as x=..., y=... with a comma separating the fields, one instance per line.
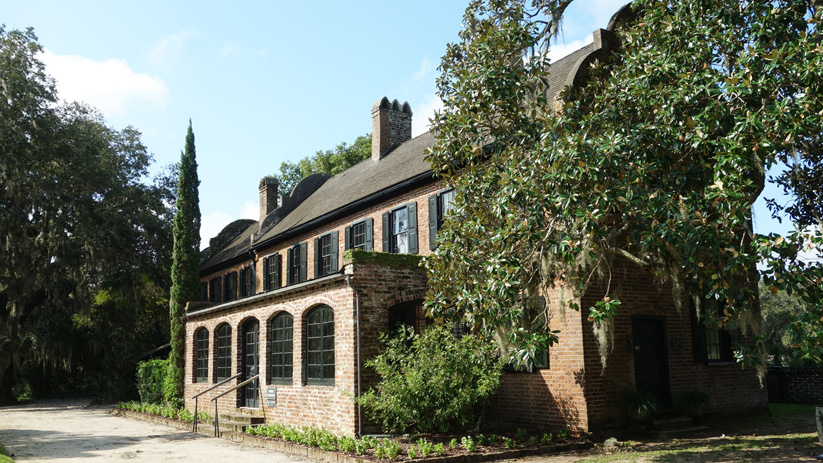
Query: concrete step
x=242, y=418
x=671, y=424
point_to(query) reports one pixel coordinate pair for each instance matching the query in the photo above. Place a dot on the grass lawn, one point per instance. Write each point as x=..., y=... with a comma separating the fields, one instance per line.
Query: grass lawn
x=4, y=455
x=787, y=433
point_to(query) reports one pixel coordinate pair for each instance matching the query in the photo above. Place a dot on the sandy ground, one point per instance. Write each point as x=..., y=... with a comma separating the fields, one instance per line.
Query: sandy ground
x=66, y=432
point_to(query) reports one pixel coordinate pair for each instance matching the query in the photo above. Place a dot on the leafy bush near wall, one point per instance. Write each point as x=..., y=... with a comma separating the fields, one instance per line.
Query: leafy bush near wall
x=164, y=410
x=155, y=383
x=456, y=376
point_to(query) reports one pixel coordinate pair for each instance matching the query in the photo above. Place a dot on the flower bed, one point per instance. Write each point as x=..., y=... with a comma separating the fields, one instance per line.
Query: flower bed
x=179, y=414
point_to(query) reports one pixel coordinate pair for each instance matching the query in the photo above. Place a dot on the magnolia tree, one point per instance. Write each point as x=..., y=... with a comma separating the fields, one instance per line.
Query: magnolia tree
x=654, y=163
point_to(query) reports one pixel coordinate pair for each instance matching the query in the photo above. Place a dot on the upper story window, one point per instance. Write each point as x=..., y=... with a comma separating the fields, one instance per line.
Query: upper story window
x=201, y=356
x=271, y=272
x=360, y=235
x=296, y=263
x=325, y=254
x=222, y=358
x=230, y=287
x=246, y=282
x=439, y=206
x=400, y=230
x=216, y=290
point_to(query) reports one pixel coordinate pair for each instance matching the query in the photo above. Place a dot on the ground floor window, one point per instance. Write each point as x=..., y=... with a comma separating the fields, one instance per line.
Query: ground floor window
x=201, y=356
x=320, y=346
x=222, y=358
x=281, y=335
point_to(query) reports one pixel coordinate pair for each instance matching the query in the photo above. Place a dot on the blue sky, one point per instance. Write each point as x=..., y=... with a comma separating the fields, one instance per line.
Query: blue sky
x=262, y=82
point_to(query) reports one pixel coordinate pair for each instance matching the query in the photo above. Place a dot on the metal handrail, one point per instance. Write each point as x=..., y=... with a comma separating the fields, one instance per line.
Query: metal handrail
x=214, y=399
x=195, y=396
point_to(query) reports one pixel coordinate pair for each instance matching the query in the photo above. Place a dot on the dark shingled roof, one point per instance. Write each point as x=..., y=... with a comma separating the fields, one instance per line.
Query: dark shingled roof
x=368, y=177
x=360, y=181
x=241, y=245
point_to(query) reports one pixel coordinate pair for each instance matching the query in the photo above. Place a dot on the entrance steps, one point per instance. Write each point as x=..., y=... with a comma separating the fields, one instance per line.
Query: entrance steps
x=238, y=420
x=673, y=426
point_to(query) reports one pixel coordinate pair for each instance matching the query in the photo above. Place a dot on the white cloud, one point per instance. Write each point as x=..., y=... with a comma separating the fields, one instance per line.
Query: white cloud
x=166, y=49
x=425, y=69
x=423, y=112
x=212, y=223
x=110, y=86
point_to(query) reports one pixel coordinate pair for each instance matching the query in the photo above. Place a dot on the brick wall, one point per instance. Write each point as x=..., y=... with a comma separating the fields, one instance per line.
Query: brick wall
x=372, y=287
x=550, y=397
x=729, y=387
x=795, y=385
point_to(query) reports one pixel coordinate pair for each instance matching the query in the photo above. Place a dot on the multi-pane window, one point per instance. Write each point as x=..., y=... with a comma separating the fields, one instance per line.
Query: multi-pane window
x=320, y=346
x=280, y=367
x=325, y=257
x=201, y=356
x=222, y=358
x=711, y=343
x=400, y=230
x=246, y=282
x=296, y=264
x=215, y=290
x=230, y=287
x=359, y=235
x=271, y=272
x=439, y=207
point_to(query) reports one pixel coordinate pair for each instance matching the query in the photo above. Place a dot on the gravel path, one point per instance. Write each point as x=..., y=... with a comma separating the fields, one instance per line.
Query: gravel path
x=63, y=431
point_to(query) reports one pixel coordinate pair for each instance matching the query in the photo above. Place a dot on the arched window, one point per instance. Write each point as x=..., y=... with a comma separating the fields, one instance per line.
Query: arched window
x=201, y=356
x=222, y=358
x=281, y=349
x=320, y=346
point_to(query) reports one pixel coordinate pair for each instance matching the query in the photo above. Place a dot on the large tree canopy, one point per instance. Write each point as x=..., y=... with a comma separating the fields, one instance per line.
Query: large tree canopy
x=84, y=240
x=655, y=162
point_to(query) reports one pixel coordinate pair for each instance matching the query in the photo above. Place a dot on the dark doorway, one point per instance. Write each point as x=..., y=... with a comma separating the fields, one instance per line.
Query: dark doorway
x=651, y=360
x=250, y=392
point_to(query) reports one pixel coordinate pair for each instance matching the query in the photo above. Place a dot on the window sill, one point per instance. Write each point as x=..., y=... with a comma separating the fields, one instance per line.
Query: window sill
x=281, y=382
x=720, y=363
x=320, y=382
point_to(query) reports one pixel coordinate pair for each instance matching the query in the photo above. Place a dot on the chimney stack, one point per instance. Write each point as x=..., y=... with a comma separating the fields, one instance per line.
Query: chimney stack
x=391, y=126
x=268, y=196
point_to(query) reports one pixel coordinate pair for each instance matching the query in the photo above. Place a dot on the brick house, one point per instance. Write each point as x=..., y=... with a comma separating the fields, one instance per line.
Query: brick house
x=284, y=299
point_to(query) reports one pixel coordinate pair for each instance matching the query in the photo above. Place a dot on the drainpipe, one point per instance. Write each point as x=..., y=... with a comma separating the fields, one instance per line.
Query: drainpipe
x=357, y=335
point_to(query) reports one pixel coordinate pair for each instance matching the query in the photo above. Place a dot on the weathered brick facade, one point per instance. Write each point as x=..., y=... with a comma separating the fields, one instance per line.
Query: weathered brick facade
x=574, y=390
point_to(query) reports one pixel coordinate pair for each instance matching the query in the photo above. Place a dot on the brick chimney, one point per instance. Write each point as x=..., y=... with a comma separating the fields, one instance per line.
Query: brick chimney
x=268, y=196
x=391, y=126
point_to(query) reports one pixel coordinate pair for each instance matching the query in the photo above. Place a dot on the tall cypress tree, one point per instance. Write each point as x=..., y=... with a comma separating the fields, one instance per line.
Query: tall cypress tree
x=185, y=267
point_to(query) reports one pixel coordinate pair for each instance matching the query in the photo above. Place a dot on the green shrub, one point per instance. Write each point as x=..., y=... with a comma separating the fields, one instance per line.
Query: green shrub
x=564, y=433
x=491, y=438
x=440, y=449
x=151, y=380
x=4, y=456
x=468, y=443
x=393, y=449
x=481, y=439
x=456, y=376
x=380, y=451
x=521, y=434
x=426, y=448
x=509, y=443
x=185, y=415
x=346, y=444
x=453, y=443
x=546, y=439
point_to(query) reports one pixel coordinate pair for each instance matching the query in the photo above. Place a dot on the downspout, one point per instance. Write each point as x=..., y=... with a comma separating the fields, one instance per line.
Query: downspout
x=357, y=336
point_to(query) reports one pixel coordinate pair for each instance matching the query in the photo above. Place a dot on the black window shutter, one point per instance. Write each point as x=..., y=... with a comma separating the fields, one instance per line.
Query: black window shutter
x=317, y=251
x=698, y=336
x=369, y=226
x=303, y=254
x=412, y=207
x=334, y=245
x=278, y=271
x=432, y=221
x=252, y=280
x=289, y=265
x=347, y=234
x=386, y=232
x=266, y=283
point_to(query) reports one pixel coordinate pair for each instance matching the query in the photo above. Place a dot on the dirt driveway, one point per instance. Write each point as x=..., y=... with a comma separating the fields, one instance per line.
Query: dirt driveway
x=63, y=431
